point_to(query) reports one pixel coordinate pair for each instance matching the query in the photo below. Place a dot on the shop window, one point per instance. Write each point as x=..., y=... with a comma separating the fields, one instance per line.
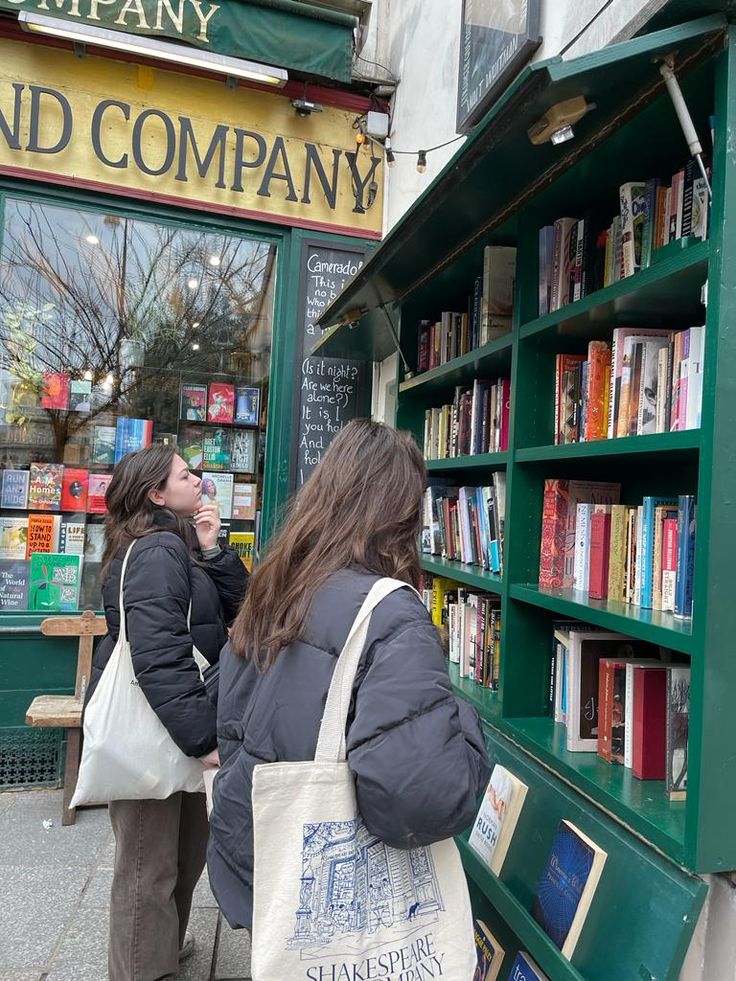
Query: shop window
x=115, y=332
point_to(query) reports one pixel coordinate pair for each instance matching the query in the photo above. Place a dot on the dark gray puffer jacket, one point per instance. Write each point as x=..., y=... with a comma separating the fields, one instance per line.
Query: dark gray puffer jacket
x=417, y=752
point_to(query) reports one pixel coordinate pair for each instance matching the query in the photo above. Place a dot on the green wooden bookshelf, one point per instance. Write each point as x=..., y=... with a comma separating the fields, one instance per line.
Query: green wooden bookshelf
x=498, y=189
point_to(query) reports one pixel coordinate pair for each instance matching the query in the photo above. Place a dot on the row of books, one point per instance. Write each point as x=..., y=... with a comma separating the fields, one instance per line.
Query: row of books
x=219, y=449
x=466, y=524
x=54, y=487
x=470, y=625
x=22, y=537
x=46, y=581
x=617, y=699
x=609, y=551
x=490, y=955
x=111, y=443
x=570, y=876
x=236, y=501
x=487, y=317
x=646, y=381
x=220, y=403
x=477, y=421
x=580, y=255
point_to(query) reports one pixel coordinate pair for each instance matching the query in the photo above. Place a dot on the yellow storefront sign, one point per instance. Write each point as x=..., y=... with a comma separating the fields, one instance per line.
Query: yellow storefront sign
x=98, y=123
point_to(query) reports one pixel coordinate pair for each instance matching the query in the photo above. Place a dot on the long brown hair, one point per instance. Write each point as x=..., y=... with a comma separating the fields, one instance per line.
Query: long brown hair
x=362, y=506
x=130, y=511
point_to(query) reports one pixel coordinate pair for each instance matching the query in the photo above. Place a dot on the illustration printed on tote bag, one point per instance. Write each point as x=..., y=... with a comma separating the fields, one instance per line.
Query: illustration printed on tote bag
x=353, y=883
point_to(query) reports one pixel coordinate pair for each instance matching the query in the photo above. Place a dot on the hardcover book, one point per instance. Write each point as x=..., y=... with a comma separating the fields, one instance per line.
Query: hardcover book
x=216, y=449
x=649, y=723
x=44, y=490
x=131, y=435
x=54, y=582
x=490, y=953
x=190, y=446
x=247, y=406
x=43, y=533
x=13, y=538
x=497, y=818
x=14, y=583
x=74, y=485
x=567, y=886
x=678, y=725
x=525, y=969
x=15, y=489
x=244, y=502
x=103, y=446
x=217, y=488
x=243, y=451
x=71, y=537
x=193, y=403
x=243, y=543
x=56, y=390
x=80, y=396
x=221, y=403
x=98, y=484
x=94, y=544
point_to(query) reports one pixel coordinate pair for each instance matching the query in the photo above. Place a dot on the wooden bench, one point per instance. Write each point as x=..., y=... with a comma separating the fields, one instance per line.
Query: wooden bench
x=65, y=711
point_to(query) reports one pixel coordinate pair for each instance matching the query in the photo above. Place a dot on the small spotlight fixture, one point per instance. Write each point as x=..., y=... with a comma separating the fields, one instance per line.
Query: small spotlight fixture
x=422, y=161
x=390, y=158
x=556, y=125
x=305, y=107
x=562, y=135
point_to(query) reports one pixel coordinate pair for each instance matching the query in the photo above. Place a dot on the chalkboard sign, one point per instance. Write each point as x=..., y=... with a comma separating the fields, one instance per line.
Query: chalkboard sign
x=332, y=391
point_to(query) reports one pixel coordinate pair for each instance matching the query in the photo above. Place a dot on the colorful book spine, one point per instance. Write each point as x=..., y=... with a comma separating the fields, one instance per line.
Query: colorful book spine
x=685, y=556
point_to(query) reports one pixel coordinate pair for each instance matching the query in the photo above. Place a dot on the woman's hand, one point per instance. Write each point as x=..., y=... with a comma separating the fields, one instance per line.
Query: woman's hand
x=211, y=761
x=207, y=524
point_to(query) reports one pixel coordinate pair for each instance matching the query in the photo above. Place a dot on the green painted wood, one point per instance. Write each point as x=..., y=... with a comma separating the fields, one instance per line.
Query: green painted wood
x=487, y=702
x=470, y=575
x=643, y=912
x=687, y=441
x=491, y=359
x=480, y=461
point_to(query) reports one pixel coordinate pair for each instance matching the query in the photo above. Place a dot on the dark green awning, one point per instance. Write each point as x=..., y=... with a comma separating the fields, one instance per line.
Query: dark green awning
x=496, y=170
x=303, y=37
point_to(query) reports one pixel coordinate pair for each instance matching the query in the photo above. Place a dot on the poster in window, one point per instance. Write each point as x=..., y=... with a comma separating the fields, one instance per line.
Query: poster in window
x=497, y=38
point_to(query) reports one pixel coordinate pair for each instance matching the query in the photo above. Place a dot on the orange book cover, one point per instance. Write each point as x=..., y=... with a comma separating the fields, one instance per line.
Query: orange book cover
x=599, y=356
x=43, y=531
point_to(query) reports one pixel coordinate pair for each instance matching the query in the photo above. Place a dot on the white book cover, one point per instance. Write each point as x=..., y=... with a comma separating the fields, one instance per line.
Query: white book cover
x=582, y=547
x=13, y=537
x=694, y=402
x=497, y=818
x=71, y=537
x=633, y=214
x=660, y=413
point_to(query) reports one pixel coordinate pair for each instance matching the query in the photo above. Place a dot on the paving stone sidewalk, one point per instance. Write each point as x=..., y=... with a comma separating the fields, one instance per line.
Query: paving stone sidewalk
x=55, y=897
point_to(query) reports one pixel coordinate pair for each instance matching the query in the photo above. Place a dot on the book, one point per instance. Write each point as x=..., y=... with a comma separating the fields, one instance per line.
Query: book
x=633, y=217
x=44, y=489
x=103, y=446
x=193, y=403
x=43, y=533
x=221, y=403
x=525, y=969
x=611, y=709
x=243, y=451
x=499, y=276
x=97, y=488
x=13, y=537
x=244, y=502
x=94, y=543
x=217, y=488
x=71, y=537
x=687, y=516
x=649, y=722
x=247, y=406
x=54, y=582
x=216, y=449
x=490, y=953
x=74, y=486
x=80, y=395
x=14, y=584
x=497, y=817
x=15, y=489
x=243, y=542
x=567, y=886
x=56, y=390
x=190, y=446
x=677, y=729
x=131, y=435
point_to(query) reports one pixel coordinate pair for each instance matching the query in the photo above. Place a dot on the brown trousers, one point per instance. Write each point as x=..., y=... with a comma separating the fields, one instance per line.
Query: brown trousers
x=160, y=851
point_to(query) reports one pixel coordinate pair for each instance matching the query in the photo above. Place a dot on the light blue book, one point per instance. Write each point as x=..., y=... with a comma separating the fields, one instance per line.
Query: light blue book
x=647, y=547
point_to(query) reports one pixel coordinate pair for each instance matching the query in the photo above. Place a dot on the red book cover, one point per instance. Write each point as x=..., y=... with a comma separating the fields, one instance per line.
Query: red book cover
x=98, y=484
x=554, y=526
x=505, y=391
x=650, y=723
x=56, y=390
x=600, y=544
x=221, y=404
x=74, y=485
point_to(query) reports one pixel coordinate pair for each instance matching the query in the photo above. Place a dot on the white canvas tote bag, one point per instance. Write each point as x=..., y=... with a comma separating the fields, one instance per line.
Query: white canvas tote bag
x=127, y=752
x=332, y=901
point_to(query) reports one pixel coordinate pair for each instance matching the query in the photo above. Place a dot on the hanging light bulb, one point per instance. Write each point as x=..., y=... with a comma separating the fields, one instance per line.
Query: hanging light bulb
x=422, y=161
x=192, y=283
x=390, y=158
x=88, y=375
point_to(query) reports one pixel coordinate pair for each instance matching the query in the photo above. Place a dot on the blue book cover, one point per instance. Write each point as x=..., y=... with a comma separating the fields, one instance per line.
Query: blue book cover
x=685, y=556
x=524, y=969
x=131, y=435
x=647, y=547
x=15, y=489
x=567, y=885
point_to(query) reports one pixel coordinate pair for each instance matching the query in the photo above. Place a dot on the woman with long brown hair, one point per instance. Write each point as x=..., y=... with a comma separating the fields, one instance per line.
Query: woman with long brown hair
x=180, y=591
x=416, y=752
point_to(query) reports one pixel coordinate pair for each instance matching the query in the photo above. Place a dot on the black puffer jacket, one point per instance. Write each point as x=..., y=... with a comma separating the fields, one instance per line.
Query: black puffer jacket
x=161, y=579
x=416, y=751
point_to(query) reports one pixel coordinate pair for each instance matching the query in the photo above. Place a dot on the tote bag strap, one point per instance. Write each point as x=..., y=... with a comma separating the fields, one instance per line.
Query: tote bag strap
x=123, y=630
x=331, y=742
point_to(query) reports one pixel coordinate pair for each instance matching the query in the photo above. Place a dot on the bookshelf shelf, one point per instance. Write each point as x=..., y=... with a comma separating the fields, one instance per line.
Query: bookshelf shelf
x=480, y=461
x=487, y=702
x=469, y=575
x=650, y=625
x=666, y=293
x=640, y=804
x=659, y=443
x=492, y=358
